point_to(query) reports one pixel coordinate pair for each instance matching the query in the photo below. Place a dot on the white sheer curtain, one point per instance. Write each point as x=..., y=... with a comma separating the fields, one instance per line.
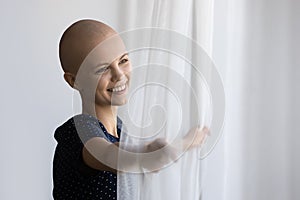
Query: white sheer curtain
x=256, y=47
x=165, y=77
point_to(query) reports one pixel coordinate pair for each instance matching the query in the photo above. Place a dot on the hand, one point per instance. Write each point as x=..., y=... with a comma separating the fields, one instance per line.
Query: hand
x=158, y=154
x=196, y=137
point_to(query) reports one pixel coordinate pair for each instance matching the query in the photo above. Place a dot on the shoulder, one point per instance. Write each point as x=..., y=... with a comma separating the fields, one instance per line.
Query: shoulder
x=79, y=121
x=82, y=125
x=85, y=121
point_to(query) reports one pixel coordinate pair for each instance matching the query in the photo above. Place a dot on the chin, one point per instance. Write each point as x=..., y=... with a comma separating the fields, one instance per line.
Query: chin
x=119, y=102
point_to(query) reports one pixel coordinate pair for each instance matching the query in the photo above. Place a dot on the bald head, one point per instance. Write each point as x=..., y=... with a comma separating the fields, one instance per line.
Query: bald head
x=78, y=40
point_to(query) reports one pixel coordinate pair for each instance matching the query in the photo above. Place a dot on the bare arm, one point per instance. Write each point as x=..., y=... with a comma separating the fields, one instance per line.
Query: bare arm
x=102, y=155
x=95, y=154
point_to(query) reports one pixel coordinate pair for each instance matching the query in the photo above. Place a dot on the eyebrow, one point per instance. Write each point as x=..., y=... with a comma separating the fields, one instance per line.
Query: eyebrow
x=106, y=64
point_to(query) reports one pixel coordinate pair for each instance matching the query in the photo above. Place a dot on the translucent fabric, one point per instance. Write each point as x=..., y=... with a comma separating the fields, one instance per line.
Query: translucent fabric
x=172, y=89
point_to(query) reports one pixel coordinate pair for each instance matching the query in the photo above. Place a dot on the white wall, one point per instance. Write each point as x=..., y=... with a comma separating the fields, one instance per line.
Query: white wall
x=34, y=96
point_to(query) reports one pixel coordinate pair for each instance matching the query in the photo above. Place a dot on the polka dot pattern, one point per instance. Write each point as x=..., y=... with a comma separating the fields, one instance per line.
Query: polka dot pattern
x=72, y=178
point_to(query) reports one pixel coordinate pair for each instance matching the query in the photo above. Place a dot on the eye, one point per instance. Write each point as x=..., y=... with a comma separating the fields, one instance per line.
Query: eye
x=102, y=70
x=124, y=60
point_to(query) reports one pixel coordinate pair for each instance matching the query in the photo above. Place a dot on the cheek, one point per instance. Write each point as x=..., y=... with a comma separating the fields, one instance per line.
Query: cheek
x=127, y=69
x=100, y=86
x=102, y=83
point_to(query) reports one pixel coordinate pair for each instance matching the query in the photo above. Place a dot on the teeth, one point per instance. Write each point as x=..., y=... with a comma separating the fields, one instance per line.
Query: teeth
x=119, y=88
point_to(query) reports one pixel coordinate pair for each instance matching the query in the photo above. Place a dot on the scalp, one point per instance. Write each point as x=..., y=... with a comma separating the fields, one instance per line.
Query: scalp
x=78, y=40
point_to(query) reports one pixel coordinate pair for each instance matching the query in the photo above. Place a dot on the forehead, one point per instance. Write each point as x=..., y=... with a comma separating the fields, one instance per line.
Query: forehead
x=105, y=52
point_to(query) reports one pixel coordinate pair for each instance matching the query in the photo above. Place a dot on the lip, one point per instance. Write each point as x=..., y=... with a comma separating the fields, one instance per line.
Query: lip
x=119, y=84
x=119, y=92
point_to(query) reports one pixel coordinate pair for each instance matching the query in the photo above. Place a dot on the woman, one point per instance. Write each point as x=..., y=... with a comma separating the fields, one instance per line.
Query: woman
x=86, y=161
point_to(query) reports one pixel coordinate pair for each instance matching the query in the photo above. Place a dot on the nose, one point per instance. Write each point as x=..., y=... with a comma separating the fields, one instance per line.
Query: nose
x=116, y=72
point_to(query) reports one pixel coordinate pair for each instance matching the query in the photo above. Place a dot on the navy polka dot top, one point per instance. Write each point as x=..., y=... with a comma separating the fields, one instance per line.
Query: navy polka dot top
x=72, y=178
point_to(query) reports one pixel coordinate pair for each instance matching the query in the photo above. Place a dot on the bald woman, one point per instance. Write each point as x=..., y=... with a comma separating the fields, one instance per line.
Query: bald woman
x=87, y=156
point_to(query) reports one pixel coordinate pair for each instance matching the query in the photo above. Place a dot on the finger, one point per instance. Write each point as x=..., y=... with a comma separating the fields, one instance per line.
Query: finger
x=206, y=130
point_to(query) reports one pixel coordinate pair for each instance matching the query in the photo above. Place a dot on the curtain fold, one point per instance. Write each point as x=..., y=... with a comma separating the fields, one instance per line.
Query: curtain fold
x=169, y=93
x=254, y=47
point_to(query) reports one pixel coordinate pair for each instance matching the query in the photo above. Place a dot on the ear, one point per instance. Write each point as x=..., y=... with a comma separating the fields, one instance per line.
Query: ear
x=70, y=79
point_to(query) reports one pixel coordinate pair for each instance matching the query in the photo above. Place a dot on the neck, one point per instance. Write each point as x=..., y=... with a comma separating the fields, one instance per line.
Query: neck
x=107, y=115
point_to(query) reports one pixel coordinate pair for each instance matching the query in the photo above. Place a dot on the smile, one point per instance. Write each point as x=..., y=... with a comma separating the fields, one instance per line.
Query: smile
x=118, y=88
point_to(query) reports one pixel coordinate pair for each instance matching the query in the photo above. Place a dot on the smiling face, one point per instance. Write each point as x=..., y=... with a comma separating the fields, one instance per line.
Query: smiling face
x=113, y=82
x=104, y=75
x=95, y=62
